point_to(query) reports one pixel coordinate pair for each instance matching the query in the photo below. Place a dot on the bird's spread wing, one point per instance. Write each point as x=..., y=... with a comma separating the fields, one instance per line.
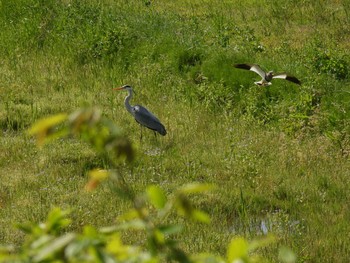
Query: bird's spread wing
x=146, y=118
x=252, y=67
x=287, y=77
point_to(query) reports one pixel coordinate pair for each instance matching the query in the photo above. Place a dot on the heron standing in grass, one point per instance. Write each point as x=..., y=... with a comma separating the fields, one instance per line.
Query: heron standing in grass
x=141, y=114
x=266, y=76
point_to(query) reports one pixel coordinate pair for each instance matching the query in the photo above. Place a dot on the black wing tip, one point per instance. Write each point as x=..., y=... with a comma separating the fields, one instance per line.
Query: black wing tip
x=243, y=66
x=162, y=131
x=293, y=79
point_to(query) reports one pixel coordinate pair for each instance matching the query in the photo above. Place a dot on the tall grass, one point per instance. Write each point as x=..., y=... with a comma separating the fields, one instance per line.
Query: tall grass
x=280, y=155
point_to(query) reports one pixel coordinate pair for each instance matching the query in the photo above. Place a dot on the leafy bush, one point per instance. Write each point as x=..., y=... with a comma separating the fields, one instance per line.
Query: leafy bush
x=336, y=65
x=329, y=61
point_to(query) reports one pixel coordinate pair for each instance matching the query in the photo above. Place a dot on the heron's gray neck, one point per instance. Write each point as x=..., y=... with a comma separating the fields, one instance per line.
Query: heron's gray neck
x=127, y=103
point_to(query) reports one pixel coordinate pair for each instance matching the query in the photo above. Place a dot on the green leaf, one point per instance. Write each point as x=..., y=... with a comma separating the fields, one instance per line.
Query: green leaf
x=158, y=236
x=183, y=205
x=75, y=248
x=200, y=216
x=57, y=219
x=53, y=247
x=171, y=229
x=206, y=258
x=43, y=129
x=96, y=177
x=82, y=117
x=41, y=241
x=237, y=249
x=27, y=228
x=98, y=174
x=136, y=224
x=196, y=188
x=129, y=215
x=156, y=196
x=47, y=123
x=259, y=243
x=286, y=255
x=90, y=231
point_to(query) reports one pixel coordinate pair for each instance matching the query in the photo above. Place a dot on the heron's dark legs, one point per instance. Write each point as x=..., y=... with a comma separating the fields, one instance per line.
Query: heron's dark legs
x=141, y=132
x=155, y=140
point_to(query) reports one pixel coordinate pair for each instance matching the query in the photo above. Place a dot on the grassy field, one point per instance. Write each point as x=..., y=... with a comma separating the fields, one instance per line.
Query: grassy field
x=279, y=155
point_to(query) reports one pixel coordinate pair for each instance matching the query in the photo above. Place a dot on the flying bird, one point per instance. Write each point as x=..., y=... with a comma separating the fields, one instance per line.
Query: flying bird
x=141, y=114
x=266, y=76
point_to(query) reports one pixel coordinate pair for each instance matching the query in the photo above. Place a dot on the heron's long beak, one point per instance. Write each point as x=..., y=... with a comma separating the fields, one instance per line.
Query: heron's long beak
x=119, y=88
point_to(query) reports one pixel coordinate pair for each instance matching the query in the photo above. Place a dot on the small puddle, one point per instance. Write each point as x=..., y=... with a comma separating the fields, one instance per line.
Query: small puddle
x=277, y=222
x=153, y=152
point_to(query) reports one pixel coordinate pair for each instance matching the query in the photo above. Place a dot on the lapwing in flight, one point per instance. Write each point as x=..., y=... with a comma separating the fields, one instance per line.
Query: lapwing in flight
x=266, y=76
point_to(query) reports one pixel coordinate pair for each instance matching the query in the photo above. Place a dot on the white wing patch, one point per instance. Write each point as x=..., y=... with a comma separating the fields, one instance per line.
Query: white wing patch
x=258, y=70
x=280, y=76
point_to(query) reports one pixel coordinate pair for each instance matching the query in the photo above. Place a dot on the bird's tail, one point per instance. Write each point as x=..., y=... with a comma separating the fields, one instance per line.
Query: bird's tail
x=162, y=130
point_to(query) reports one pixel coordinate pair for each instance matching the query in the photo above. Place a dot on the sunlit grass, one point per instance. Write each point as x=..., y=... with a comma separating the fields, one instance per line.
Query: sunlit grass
x=279, y=155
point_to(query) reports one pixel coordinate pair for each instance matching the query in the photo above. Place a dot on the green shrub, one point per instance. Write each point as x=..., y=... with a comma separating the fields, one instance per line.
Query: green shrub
x=333, y=64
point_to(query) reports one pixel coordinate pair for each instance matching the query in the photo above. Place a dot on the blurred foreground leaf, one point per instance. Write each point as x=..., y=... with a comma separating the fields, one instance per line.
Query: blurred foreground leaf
x=96, y=177
x=200, y=216
x=196, y=188
x=44, y=128
x=156, y=196
x=50, y=249
x=237, y=250
x=89, y=125
x=286, y=255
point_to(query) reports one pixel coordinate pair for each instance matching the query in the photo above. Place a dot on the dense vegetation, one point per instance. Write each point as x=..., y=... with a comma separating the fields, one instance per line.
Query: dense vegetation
x=279, y=155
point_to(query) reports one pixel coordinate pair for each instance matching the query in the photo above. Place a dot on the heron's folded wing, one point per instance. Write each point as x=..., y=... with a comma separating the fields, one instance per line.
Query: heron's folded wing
x=148, y=119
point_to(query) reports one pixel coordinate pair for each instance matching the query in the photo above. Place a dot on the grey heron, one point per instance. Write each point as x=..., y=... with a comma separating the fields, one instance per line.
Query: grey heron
x=143, y=116
x=266, y=76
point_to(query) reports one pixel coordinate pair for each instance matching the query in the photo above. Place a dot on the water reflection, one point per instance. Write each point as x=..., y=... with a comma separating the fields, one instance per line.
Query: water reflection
x=278, y=223
x=153, y=152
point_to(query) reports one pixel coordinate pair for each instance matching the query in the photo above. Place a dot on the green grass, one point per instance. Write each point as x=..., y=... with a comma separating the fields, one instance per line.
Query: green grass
x=278, y=155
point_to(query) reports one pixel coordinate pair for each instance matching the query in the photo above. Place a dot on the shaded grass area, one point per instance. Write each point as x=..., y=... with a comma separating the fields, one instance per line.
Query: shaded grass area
x=280, y=155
